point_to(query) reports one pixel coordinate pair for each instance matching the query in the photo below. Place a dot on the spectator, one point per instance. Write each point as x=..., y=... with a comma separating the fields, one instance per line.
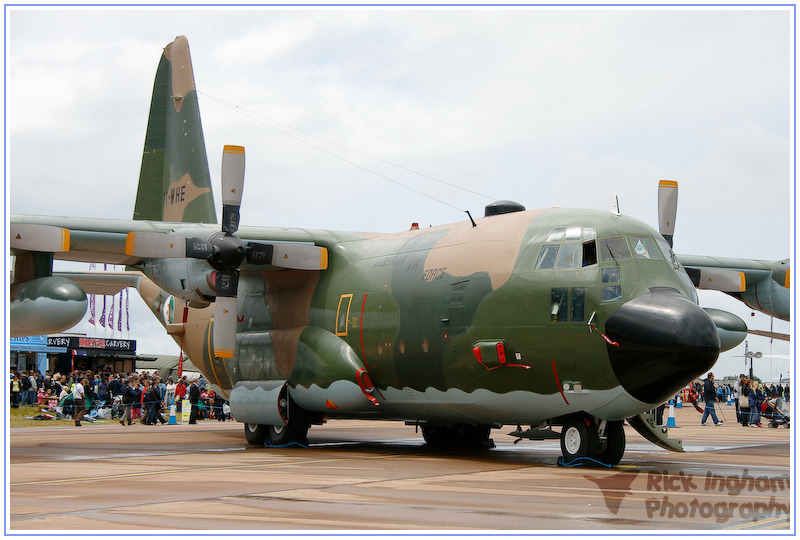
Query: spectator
x=194, y=398
x=169, y=395
x=79, y=400
x=15, y=390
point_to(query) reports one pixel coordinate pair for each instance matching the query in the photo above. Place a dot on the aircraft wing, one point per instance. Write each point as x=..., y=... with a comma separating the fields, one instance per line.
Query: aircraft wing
x=762, y=285
x=752, y=270
x=109, y=240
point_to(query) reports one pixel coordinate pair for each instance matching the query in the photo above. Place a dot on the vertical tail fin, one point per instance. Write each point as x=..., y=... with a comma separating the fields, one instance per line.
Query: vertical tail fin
x=174, y=183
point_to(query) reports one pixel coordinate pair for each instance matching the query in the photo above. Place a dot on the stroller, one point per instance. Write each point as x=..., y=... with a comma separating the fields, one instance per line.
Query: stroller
x=776, y=411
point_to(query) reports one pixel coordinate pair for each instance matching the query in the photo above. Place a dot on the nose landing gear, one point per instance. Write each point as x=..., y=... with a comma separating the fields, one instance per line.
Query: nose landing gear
x=583, y=437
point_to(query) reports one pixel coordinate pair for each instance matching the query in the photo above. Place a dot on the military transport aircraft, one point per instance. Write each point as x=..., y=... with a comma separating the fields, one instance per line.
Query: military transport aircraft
x=546, y=318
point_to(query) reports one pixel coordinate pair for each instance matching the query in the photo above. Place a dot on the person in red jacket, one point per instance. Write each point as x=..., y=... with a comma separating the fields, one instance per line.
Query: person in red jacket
x=180, y=393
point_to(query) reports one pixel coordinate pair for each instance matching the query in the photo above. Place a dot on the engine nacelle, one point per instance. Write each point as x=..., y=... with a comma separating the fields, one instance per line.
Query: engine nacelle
x=188, y=279
x=260, y=402
x=731, y=329
x=769, y=296
x=45, y=305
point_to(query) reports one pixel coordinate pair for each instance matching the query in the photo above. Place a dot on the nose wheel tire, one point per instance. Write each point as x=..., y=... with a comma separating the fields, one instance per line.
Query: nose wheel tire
x=613, y=446
x=578, y=440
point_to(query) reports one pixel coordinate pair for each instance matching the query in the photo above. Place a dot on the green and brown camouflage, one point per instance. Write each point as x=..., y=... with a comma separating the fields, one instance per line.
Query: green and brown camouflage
x=174, y=182
x=555, y=317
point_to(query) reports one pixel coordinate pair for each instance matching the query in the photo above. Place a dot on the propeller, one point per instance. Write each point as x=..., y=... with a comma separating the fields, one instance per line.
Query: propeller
x=667, y=208
x=229, y=253
x=717, y=279
x=226, y=252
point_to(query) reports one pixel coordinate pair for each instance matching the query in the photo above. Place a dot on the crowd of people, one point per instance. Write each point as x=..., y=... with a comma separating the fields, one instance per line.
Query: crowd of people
x=130, y=397
x=724, y=390
x=750, y=398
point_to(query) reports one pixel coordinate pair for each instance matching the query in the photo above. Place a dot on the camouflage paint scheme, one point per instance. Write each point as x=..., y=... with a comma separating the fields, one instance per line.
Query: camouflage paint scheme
x=450, y=325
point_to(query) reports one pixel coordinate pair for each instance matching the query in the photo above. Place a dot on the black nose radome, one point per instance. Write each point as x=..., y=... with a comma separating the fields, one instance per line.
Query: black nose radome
x=664, y=341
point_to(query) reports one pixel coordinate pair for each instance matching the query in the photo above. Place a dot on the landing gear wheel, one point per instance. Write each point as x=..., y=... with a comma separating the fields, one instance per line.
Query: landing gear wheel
x=255, y=433
x=296, y=431
x=612, y=449
x=578, y=439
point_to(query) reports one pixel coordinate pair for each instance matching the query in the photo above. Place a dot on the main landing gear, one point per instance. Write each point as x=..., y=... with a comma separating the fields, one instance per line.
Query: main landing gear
x=584, y=437
x=294, y=432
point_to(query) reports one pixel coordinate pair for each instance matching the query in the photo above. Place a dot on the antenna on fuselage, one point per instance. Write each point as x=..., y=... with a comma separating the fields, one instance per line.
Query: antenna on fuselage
x=615, y=205
x=470, y=218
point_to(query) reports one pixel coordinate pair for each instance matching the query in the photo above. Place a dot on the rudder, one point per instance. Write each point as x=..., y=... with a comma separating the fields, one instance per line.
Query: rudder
x=174, y=182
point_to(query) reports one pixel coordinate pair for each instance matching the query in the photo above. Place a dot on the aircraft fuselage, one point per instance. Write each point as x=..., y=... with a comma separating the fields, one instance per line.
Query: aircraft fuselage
x=504, y=322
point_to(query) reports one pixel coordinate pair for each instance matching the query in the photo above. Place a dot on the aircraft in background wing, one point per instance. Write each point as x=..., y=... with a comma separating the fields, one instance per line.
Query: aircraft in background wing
x=762, y=285
x=578, y=319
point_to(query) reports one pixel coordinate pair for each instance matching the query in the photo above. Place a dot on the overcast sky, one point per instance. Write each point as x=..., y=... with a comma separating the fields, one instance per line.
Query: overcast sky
x=545, y=106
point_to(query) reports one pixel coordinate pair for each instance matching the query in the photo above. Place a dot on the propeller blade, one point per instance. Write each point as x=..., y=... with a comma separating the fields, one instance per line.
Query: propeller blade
x=45, y=238
x=232, y=186
x=291, y=256
x=259, y=253
x=667, y=208
x=155, y=245
x=300, y=256
x=717, y=279
x=225, y=313
x=197, y=248
x=225, y=327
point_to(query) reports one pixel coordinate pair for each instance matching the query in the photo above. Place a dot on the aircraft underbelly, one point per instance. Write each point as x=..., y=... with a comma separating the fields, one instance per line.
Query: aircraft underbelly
x=486, y=407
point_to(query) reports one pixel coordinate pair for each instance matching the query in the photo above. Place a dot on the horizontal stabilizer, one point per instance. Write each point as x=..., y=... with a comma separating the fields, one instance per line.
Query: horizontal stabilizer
x=44, y=238
x=717, y=279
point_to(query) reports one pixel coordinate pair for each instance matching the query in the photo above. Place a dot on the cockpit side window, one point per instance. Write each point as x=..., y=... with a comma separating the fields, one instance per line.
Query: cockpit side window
x=557, y=253
x=589, y=253
x=668, y=253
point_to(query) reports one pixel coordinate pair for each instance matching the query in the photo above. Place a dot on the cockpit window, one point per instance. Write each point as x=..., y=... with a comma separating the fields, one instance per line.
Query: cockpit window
x=556, y=236
x=557, y=253
x=644, y=247
x=614, y=249
x=573, y=234
x=547, y=258
x=668, y=253
x=569, y=256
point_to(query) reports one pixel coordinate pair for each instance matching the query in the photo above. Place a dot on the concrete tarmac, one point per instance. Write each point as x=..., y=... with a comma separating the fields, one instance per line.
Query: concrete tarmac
x=380, y=476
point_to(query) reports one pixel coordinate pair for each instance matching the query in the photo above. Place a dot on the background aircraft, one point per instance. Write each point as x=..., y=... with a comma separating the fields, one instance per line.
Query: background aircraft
x=557, y=317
